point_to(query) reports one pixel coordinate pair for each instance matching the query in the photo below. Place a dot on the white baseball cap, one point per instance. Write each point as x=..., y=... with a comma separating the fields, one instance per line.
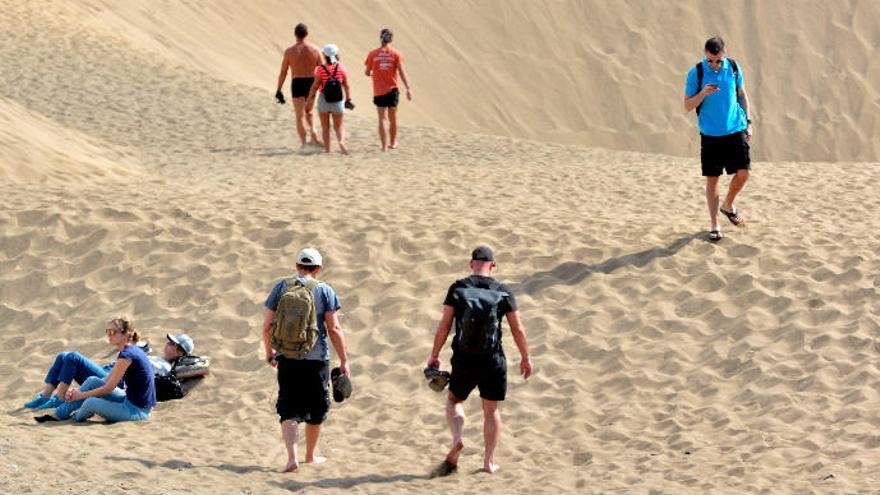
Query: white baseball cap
x=183, y=340
x=331, y=51
x=309, y=257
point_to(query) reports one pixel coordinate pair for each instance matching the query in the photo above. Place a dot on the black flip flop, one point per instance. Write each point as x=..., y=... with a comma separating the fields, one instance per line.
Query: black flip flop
x=715, y=235
x=733, y=216
x=341, y=385
x=437, y=379
x=45, y=418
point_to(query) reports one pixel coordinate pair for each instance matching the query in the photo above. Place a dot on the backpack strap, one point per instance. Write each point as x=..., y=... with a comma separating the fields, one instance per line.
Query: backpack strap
x=326, y=70
x=699, y=82
x=335, y=68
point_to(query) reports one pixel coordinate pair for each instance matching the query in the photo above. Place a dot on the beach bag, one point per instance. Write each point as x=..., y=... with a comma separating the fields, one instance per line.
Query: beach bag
x=332, y=89
x=700, y=78
x=478, y=327
x=170, y=386
x=295, y=327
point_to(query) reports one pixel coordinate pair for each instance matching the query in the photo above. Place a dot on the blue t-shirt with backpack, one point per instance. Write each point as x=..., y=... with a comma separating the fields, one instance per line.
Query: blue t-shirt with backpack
x=720, y=113
x=325, y=300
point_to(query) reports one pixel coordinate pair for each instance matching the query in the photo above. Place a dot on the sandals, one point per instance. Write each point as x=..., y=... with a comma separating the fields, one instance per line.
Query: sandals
x=715, y=235
x=733, y=216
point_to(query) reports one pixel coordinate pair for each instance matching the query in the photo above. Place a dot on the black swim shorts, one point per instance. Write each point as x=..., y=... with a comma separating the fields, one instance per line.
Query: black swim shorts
x=303, y=390
x=488, y=373
x=388, y=100
x=300, y=86
x=724, y=153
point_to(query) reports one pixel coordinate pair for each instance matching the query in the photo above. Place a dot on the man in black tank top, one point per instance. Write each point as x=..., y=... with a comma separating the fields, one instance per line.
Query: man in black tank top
x=476, y=305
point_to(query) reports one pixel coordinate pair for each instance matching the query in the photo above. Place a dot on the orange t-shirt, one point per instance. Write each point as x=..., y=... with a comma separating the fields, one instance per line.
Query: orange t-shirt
x=383, y=62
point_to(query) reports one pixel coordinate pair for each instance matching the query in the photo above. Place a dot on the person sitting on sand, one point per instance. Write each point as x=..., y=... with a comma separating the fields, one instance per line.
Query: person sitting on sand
x=101, y=396
x=331, y=88
x=73, y=366
x=383, y=65
x=477, y=305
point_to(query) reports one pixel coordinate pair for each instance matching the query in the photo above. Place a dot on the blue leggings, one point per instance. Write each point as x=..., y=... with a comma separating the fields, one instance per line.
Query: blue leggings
x=70, y=366
x=114, y=406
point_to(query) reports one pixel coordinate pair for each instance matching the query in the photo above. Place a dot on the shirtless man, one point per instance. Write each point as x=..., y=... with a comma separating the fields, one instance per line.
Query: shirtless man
x=300, y=59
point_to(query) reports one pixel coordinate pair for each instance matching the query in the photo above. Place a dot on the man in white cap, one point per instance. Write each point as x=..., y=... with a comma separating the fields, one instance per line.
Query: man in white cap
x=176, y=347
x=300, y=316
x=477, y=305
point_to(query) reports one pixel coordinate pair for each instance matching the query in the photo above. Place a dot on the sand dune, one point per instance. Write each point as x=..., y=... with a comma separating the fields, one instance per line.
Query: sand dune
x=159, y=186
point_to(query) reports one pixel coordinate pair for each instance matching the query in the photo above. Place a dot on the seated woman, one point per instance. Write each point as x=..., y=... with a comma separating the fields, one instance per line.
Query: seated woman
x=73, y=366
x=101, y=396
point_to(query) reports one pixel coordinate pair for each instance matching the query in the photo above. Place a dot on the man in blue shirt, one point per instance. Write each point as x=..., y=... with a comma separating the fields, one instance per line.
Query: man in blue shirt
x=725, y=122
x=304, y=384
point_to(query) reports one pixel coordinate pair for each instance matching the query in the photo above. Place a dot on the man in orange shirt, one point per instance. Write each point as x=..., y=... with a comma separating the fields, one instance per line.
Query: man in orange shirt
x=383, y=65
x=300, y=59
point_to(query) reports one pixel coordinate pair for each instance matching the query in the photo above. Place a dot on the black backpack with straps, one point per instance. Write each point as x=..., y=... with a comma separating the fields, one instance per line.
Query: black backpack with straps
x=333, y=87
x=479, y=323
x=700, y=77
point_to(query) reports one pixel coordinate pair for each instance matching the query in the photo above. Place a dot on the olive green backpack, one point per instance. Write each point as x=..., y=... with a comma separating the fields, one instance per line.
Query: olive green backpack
x=295, y=328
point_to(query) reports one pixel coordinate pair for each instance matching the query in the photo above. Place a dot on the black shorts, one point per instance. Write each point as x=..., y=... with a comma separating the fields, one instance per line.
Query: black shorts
x=303, y=390
x=489, y=373
x=724, y=153
x=300, y=86
x=388, y=100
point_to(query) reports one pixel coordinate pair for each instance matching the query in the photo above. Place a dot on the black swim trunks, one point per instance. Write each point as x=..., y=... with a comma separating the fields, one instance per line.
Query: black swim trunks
x=486, y=372
x=300, y=86
x=724, y=153
x=388, y=99
x=303, y=390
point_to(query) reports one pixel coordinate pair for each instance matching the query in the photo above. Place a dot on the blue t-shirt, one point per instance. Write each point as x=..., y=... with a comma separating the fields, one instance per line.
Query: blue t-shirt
x=720, y=113
x=139, y=386
x=325, y=300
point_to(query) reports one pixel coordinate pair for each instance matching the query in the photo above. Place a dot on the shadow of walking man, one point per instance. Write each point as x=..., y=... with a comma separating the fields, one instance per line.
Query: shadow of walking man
x=574, y=272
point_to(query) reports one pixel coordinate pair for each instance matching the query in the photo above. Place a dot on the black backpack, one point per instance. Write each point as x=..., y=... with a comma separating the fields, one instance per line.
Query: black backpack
x=333, y=87
x=700, y=78
x=479, y=324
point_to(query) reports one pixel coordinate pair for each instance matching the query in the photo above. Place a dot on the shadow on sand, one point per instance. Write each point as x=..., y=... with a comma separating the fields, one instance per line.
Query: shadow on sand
x=573, y=272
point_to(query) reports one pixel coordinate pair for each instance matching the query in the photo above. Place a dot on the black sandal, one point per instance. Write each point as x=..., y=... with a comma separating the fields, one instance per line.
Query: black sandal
x=733, y=216
x=715, y=235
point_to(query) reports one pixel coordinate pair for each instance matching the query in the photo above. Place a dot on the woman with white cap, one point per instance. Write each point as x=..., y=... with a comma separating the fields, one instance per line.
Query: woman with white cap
x=330, y=82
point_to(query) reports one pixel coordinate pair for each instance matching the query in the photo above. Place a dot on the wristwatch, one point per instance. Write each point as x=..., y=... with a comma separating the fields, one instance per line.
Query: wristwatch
x=749, y=121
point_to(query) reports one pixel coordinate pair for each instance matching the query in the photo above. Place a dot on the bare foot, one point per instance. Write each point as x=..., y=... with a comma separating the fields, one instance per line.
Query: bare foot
x=454, y=452
x=343, y=148
x=316, y=460
x=291, y=467
x=393, y=146
x=491, y=467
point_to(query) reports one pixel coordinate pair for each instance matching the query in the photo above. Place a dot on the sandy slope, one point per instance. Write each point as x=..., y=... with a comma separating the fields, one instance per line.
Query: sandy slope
x=665, y=364
x=594, y=73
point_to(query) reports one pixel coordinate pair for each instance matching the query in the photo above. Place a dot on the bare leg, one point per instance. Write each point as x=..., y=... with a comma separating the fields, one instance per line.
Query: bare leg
x=310, y=120
x=61, y=390
x=339, y=127
x=383, y=117
x=47, y=390
x=736, y=185
x=299, y=110
x=289, y=434
x=491, y=433
x=712, y=198
x=392, y=126
x=455, y=418
x=312, y=434
x=325, y=129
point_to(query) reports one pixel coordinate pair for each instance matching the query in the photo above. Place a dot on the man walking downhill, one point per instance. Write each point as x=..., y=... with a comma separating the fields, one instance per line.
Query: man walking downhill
x=300, y=315
x=477, y=305
x=715, y=89
x=300, y=59
x=384, y=64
